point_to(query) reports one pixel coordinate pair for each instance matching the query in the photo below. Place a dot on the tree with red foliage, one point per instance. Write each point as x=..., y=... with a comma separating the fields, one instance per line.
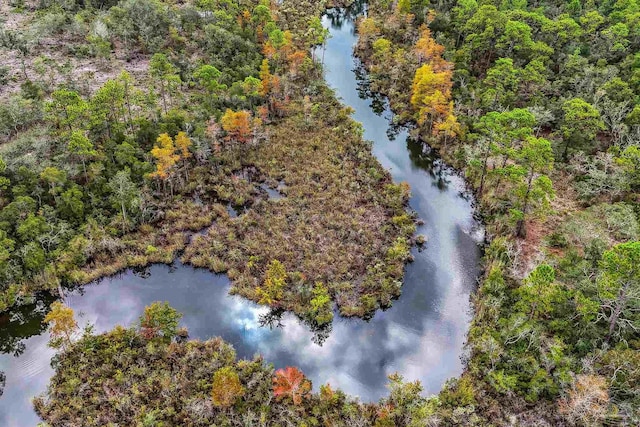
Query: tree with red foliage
x=291, y=382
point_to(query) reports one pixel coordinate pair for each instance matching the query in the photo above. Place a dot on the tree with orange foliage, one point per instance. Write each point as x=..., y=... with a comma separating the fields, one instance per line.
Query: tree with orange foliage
x=291, y=382
x=427, y=50
x=237, y=125
x=263, y=113
x=165, y=154
x=227, y=388
x=295, y=61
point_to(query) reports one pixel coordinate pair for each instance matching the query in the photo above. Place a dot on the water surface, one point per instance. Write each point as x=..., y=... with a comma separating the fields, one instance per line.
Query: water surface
x=421, y=336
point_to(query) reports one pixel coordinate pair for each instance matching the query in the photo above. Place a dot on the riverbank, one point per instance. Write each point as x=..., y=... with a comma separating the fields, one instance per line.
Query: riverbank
x=503, y=127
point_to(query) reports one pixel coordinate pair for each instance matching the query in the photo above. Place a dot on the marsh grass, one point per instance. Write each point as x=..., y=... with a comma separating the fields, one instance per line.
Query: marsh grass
x=343, y=222
x=157, y=243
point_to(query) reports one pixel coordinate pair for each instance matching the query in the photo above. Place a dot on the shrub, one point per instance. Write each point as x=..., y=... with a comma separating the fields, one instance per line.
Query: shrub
x=226, y=389
x=159, y=321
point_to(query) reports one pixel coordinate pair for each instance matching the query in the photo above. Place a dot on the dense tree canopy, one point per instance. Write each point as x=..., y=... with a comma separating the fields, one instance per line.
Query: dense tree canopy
x=545, y=95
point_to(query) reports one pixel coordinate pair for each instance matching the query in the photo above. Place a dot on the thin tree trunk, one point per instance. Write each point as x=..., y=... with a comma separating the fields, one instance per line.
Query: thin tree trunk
x=615, y=315
x=504, y=163
x=520, y=229
x=124, y=216
x=164, y=100
x=24, y=67
x=128, y=100
x=566, y=150
x=484, y=170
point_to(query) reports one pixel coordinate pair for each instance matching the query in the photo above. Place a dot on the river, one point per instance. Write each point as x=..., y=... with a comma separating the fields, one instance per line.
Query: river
x=421, y=336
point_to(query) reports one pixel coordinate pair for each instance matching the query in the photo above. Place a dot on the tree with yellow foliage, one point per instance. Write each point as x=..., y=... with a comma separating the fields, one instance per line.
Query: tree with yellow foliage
x=268, y=80
x=276, y=278
x=227, y=388
x=449, y=128
x=237, y=125
x=183, y=143
x=403, y=6
x=431, y=95
x=368, y=27
x=62, y=324
x=270, y=84
x=166, y=158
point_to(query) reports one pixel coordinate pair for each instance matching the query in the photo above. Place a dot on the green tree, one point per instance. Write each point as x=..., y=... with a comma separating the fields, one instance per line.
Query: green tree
x=70, y=205
x=31, y=228
x=321, y=308
x=251, y=88
x=580, y=125
x=630, y=162
x=317, y=35
x=80, y=147
x=124, y=194
x=108, y=107
x=54, y=177
x=207, y=77
x=18, y=210
x=7, y=247
x=534, y=188
x=166, y=76
x=619, y=288
x=274, y=283
x=67, y=109
x=501, y=134
x=405, y=405
x=539, y=292
x=20, y=42
x=516, y=38
x=502, y=83
x=4, y=181
x=160, y=320
x=140, y=23
x=33, y=256
x=482, y=32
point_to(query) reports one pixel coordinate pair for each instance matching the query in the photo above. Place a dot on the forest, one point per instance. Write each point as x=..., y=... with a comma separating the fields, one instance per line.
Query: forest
x=537, y=102
x=135, y=132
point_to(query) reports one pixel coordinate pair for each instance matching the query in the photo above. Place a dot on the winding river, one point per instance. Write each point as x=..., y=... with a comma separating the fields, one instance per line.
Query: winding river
x=421, y=336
